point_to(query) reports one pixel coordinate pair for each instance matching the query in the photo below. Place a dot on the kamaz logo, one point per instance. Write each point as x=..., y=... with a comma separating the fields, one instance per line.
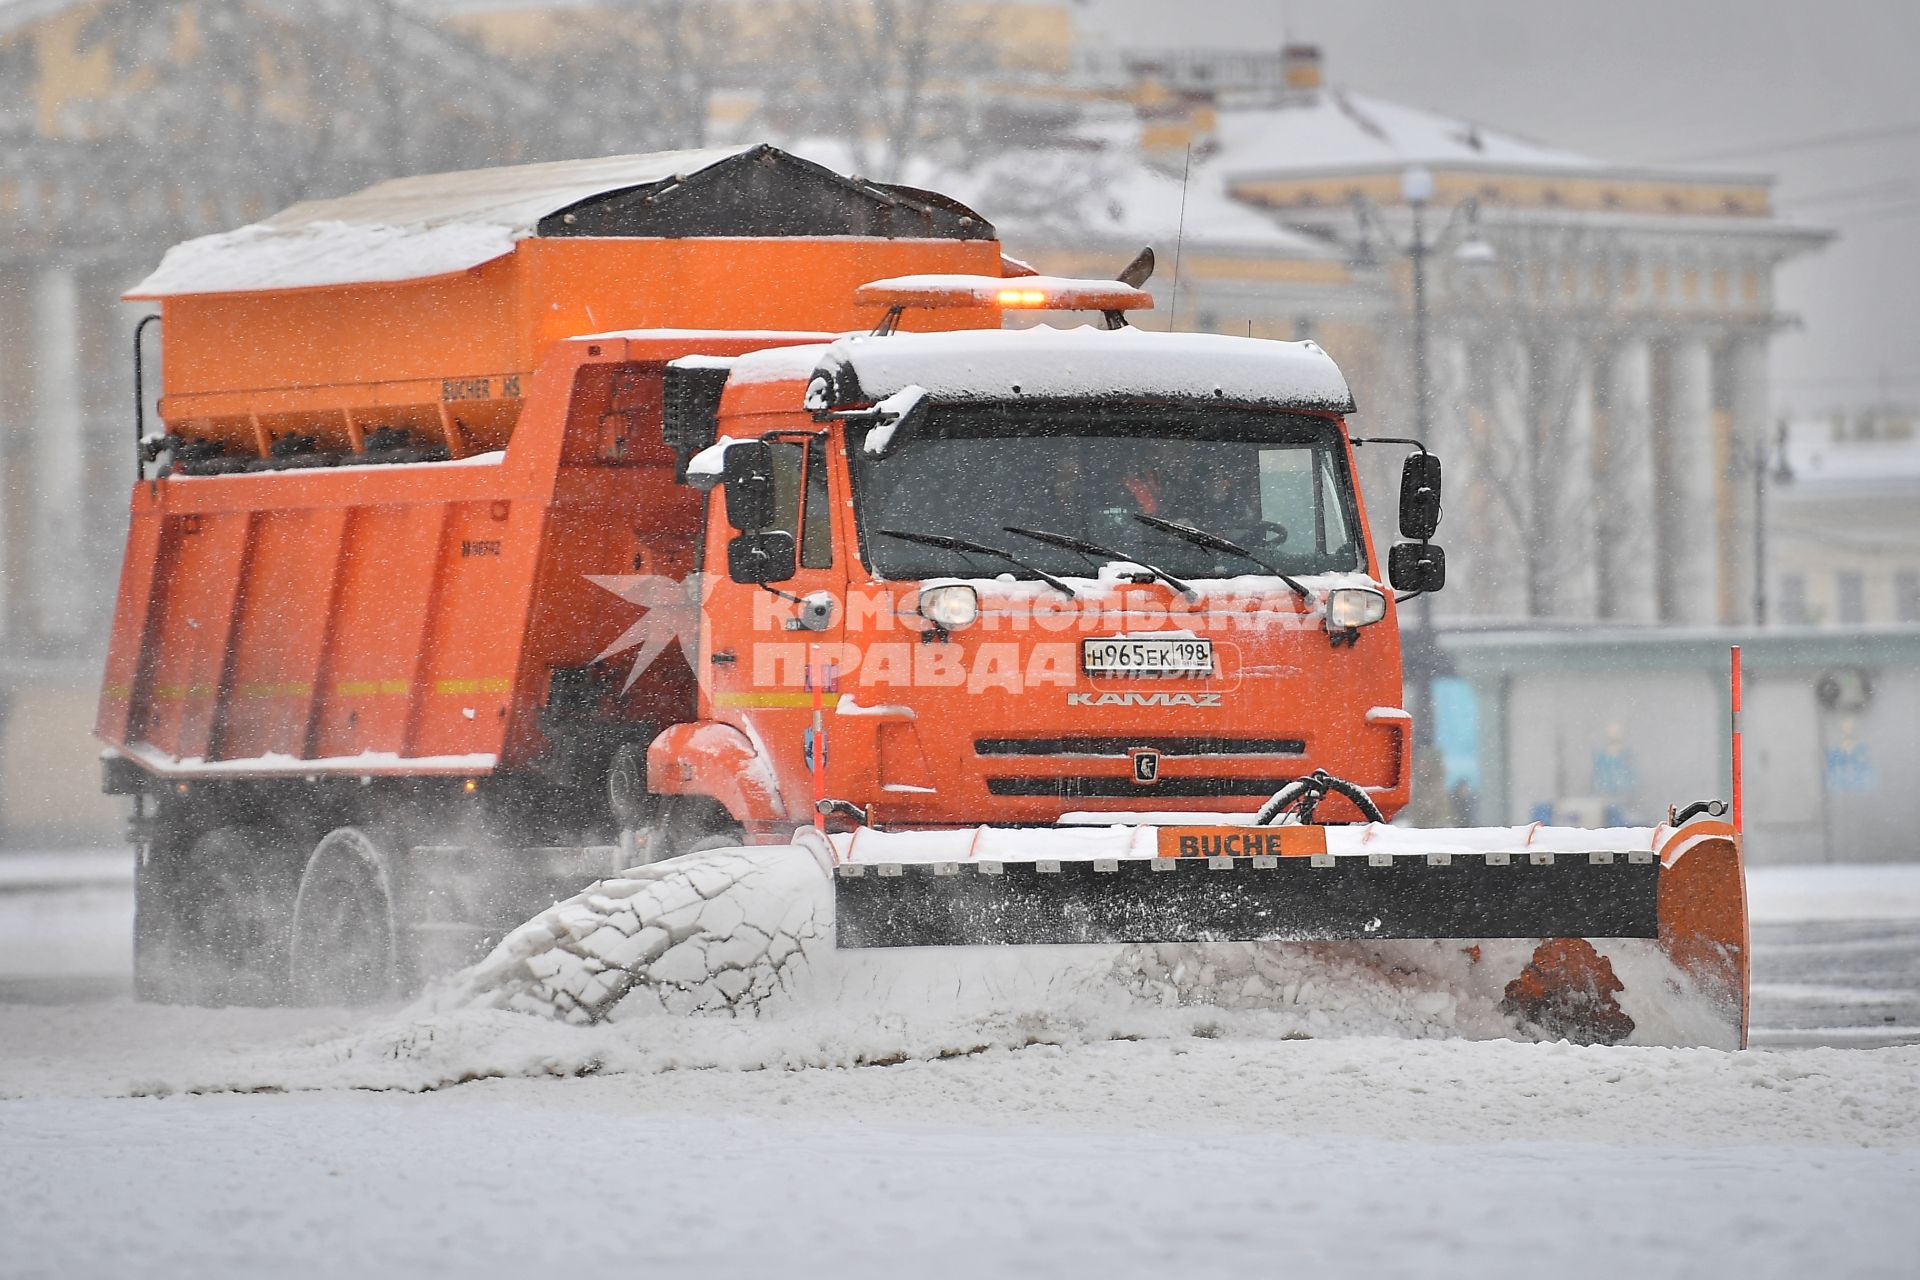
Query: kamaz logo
x=1144, y=699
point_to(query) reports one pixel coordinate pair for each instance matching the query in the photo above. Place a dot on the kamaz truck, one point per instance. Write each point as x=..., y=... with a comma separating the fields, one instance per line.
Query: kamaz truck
x=502, y=530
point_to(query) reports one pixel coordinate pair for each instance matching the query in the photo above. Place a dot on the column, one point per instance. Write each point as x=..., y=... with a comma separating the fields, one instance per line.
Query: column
x=58, y=459
x=1565, y=574
x=1629, y=590
x=1493, y=509
x=1689, y=550
x=15, y=409
x=1752, y=415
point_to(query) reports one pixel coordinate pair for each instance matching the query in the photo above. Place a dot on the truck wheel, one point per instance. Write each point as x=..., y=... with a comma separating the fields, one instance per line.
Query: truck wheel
x=211, y=918
x=159, y=941
x=694, y=824
x=344, y=947
x=627, y=795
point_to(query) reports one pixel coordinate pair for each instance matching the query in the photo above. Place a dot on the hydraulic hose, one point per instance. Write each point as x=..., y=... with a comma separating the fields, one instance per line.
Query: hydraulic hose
x=1305, y=794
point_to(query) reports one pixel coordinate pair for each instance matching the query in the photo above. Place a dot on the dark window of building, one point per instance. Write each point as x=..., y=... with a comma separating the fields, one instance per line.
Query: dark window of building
x=1851, y=588
x=1906, y=595
x=1793, y=599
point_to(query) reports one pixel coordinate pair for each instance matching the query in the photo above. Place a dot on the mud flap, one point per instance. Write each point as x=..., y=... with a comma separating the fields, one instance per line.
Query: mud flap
x=1248, y=899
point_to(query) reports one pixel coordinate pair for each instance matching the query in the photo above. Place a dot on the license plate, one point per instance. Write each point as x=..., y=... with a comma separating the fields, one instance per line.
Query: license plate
x=1146, y=656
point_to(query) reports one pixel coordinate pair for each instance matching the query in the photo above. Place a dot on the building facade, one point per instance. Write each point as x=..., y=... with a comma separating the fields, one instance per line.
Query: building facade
x=1841, y=526
x=1596, y=363
x=1596, y=336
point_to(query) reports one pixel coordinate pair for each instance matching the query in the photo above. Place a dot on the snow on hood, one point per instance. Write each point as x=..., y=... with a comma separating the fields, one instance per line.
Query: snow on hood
x=1044, y=363
x=405, y=228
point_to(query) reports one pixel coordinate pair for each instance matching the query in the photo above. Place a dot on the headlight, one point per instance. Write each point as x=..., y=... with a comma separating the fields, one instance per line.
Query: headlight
x=1350, y=607
x=950, y=607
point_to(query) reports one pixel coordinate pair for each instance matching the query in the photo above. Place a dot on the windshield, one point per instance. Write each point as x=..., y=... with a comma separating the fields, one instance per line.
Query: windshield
x=1277, y=484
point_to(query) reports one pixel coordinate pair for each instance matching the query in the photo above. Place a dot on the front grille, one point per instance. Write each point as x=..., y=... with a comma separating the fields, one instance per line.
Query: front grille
x=1117, y=788
x=1118, y=747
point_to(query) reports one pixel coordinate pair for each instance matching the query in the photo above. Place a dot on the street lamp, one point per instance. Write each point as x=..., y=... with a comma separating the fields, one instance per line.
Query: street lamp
x=1752, y=457
x=1422, y=658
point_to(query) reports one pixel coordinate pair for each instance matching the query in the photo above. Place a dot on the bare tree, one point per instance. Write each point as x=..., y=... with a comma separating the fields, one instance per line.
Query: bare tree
x=272, y=101
x=644, y=75
x=1538, y=444
x=889, y=78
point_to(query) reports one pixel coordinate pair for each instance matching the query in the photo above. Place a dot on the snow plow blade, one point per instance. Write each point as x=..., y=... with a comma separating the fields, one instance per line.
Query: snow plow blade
x=1321, y=898
x=1666, y=907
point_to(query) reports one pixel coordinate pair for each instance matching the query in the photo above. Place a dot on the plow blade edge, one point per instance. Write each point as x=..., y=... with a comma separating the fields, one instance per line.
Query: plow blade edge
x=1251, y=899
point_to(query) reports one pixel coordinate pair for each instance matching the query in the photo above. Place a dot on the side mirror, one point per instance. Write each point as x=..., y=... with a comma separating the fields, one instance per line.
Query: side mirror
x=1420, y=496
x=748, y=478
x=1416, y=566
x=761, y=557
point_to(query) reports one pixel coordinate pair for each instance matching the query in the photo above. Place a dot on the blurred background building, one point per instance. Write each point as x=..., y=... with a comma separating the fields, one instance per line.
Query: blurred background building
x=1593, y=364
x=1843, y=523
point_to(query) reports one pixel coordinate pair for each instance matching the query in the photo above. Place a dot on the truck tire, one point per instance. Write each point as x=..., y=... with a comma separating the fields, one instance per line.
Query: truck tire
x=694, y=824
x=627, y=795
x=212, y=917
x=344, y=948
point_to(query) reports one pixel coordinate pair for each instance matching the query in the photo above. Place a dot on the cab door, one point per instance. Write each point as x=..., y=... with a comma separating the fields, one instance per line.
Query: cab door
x=761, y=644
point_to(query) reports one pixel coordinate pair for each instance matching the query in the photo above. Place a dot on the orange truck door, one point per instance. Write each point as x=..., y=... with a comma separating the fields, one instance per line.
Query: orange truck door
x=755, y=653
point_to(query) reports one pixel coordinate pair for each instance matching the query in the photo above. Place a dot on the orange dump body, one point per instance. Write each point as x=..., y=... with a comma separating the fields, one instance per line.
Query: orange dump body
x=409, y=617
x=449, y=358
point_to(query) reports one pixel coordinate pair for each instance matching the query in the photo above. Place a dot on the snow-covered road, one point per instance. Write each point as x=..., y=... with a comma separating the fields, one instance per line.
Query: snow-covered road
x=1206, y=1146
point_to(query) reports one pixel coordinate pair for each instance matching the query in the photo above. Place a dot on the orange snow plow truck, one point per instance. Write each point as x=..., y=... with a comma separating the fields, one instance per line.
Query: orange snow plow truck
x=503, y=529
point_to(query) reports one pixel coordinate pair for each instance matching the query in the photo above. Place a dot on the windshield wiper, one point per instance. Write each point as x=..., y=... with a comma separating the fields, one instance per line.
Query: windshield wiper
x=1214, y=542
x=980, y=548
x=1084, y=547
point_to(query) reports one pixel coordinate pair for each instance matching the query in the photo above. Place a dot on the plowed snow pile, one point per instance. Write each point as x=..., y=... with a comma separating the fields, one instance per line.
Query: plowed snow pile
x=725, y=959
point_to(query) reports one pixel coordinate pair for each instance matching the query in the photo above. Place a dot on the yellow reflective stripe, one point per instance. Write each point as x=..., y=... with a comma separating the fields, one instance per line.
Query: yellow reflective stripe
x=801, y=699
x=487, y=684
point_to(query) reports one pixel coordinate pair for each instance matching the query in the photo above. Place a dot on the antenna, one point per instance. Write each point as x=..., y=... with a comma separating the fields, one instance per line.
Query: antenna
x=1179, y=238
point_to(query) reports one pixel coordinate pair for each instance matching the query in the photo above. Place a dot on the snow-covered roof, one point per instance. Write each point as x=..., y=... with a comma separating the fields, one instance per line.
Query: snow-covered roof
x=406, y=228
x=1046, y=363
x=1095, y=187
x=1108, y=192
x=1339, y=129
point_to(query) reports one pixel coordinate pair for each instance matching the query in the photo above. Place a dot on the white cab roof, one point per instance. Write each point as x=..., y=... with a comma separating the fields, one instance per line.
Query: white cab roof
x=1046, y=363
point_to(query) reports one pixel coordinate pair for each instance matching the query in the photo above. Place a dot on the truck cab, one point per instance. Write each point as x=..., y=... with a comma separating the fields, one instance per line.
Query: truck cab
x=1027, y=575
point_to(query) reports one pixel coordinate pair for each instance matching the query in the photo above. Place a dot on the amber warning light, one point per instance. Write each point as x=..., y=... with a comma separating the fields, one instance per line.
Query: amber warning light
x=1025, y=293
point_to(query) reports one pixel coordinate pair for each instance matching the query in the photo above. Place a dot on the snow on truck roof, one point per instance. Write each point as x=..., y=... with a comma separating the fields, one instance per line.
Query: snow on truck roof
x=437, y=224
x=405, y=228
x=1044, y=363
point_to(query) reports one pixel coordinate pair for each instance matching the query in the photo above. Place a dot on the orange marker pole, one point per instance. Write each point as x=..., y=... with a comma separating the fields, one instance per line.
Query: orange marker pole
x=819, y=760
x=1739, y=824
